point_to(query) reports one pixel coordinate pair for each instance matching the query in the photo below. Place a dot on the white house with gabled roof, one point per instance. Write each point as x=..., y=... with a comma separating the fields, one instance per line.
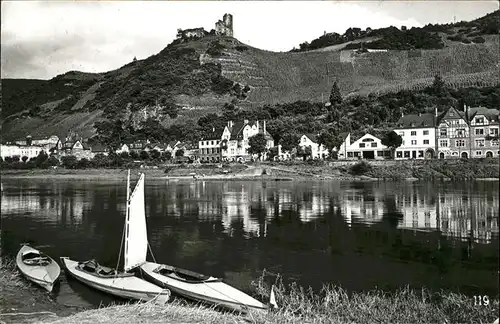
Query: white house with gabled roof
x=318, y=151
x=367, y=147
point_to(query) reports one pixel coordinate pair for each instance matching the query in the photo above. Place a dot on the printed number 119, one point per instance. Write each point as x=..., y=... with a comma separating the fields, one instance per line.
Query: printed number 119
x=481, y=300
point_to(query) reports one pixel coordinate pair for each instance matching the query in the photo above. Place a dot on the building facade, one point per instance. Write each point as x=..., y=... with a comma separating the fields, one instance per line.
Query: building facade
x=367, y=147
x=235, y=139
x=419, y=137
x=452, y=135
x=484, y=125
x=11, y=150
x=210, y=147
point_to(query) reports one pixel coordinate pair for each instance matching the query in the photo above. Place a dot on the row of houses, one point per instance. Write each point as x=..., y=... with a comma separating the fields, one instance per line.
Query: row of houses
x=471, y=133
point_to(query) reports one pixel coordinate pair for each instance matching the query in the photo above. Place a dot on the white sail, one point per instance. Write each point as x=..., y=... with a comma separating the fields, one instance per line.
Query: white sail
x=136, y=237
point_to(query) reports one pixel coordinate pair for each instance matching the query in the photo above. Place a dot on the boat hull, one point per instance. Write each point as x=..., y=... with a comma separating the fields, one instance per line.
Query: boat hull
x=212, y=290
x=44, y=276
x=129, y=287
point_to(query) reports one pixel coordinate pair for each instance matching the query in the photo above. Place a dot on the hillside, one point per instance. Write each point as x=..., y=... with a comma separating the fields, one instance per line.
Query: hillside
x=189, y=79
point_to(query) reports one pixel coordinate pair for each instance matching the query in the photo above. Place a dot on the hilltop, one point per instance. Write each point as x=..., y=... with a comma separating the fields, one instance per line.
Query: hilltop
x=198, y=76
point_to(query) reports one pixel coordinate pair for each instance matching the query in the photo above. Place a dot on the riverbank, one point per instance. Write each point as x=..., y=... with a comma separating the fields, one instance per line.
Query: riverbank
x=22, y=302
x=473, y=169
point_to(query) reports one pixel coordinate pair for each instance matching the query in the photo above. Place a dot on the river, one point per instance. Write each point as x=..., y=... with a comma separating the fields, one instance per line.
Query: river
x=360, y=235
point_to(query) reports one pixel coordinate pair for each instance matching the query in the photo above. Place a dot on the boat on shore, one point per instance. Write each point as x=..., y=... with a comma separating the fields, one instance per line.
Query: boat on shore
x=192, y=285
x=125, y=283
x=38, y=267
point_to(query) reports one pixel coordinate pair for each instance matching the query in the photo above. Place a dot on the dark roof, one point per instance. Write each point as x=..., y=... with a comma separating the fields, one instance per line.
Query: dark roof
x=446, y=115
x=491, y=114
x=215, y=134
x=312, y=137
x=236, y=130
x=417, y=121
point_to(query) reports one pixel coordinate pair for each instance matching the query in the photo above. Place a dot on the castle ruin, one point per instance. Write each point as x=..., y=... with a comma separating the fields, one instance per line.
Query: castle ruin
x=223, y=27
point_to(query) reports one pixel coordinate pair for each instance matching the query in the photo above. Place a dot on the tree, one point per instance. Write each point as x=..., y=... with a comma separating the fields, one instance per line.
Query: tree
x=69, y=161
x=144, y=155
x=392, y=140
x=328, y=139
x=25, y=158
x=289, y=141
x=53, y=161
x=15, y=158
x=179, y=153
x=83, y=163
x=304, y=151
x=155, y=154
x=167, y=155
x=257, y=144
x=335, y=95
x=100, y=160
x=41, y=158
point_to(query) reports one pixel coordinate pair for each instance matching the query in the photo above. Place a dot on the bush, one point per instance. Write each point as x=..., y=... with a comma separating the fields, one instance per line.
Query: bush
x=478, y=40
x=360, y=168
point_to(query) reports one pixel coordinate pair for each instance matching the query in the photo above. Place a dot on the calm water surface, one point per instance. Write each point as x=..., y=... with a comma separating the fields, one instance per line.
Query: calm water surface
x=357, y=235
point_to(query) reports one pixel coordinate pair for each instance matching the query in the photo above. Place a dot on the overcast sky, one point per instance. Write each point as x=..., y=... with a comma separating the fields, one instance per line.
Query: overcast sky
x=43, y=39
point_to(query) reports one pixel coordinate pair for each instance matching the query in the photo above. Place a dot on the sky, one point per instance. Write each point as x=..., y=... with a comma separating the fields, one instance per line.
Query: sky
x=41, y=39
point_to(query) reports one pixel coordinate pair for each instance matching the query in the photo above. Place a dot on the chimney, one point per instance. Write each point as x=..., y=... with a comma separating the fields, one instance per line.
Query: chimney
x=465, y=107
x=230, y=124
x=29, y=140
x=435, y=111
x=245, y=121
x=264, y=126
x=258, y=128
x=213, y=129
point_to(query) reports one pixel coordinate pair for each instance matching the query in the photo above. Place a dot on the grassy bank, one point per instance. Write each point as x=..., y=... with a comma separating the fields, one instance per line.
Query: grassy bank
x=22, y=302
x=298, y=305
x=298, y=170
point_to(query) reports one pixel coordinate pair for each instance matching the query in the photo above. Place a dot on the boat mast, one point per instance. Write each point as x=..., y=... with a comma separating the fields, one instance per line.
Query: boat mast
x=127, y=215
x=125, y=225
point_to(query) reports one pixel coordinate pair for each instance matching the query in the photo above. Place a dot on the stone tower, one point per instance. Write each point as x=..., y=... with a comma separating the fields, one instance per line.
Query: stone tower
x=224, y=27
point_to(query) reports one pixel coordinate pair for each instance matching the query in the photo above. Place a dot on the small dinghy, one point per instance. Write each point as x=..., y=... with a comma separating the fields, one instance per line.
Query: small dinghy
x=124, y=283
x=199, y=287
x=38, y=267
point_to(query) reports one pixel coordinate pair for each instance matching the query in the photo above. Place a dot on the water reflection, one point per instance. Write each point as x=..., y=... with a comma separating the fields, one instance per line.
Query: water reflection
x=315, y=231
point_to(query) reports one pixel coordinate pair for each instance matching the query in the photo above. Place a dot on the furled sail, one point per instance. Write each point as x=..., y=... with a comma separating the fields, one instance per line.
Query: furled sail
x=136, y=237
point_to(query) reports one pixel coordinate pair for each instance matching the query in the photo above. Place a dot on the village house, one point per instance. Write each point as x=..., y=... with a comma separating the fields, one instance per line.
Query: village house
x=210, y=146
x=484, y=124
x=235, y=139
x=77, y=148
x=136, y=147
x=366, y=147
x=46, y=142
x=318, y=151
x=419, y=136
x=453, y=135
x=11, y=150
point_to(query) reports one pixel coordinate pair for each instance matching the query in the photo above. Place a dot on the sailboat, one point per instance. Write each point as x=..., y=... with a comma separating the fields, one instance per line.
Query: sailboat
x=199, y=287
x=124, y=283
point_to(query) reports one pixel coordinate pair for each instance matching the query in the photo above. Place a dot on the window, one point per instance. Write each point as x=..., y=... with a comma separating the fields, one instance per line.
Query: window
x=367, y=140
x=420, y=153
x=380, y=153
x=374, y=144
x=451, y=113
x=480, y=143
x=443, y=143
x=399, y=154
x=443, y=132
x=407, y=154
x=349, y=154
x=402, y=134
x=413, y=133
x=479, y=152
x=426, y=132
x=426, y=141
x=460, y=143
x=494, y=131
x=460, y=132
x=413, y=142
x=356, y=154
x=479, y=120
x=479, y=131
x=494, y=142
x=361, y=145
